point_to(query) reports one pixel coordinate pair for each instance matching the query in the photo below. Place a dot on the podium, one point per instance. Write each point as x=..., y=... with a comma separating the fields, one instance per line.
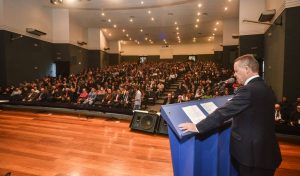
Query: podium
x=194, y=154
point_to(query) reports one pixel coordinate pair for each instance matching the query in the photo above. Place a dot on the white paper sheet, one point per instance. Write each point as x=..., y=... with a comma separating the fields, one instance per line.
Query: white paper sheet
x=194, y=113
x=209, y=107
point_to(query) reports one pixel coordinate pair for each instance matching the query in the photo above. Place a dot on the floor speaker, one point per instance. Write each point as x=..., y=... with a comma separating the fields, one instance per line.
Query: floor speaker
x=162, y=127
x=144, y=121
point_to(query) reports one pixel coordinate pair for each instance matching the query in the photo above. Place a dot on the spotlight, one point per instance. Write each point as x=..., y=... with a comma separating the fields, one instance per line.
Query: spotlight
x=56, y=2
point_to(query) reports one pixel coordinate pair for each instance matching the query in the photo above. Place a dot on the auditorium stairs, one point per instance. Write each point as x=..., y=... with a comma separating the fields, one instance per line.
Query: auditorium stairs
x=160, y=99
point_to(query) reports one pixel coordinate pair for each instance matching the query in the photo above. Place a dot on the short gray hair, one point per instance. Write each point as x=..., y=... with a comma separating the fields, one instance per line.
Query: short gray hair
x=248, y=60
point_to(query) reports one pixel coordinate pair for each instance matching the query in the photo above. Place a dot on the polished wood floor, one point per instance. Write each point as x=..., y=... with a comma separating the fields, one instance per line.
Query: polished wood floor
x=65, y=145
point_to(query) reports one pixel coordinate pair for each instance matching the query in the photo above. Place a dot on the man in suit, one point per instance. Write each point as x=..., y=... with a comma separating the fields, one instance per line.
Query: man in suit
x=253, y=144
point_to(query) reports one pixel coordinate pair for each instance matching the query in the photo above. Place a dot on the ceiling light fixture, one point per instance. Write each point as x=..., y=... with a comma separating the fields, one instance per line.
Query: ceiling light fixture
x=175, y=22
x=198, y=13
x=102, y=14
x=196, y=25
x=217, y=23
x=123, y=30
x=109, y=34
x=152, y=19
x=177, y=28
x=142, y=2
x=109, y=20
x=115, y=26
x=199, y=5
x=141, y=30
x=215, y=29
x=226, y=8
x=56, y=2
x=197, y=20
x=149, y=11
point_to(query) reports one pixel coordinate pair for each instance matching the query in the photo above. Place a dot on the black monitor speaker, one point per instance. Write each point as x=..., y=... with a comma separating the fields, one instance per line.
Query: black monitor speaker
x=144, y=121
x=162, y=127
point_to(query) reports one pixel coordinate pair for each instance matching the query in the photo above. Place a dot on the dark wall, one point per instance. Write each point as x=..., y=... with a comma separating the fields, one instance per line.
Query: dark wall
x=230, y=53
x=113, y=59
x=26, y=58
x=202, y=57
x=253, y=44
x=104, y=59
x=282, y=63
x=135, y=59
x=274, y=56
x=94, y=59
x=291, y=83
x=77, y=56
x=2, y=60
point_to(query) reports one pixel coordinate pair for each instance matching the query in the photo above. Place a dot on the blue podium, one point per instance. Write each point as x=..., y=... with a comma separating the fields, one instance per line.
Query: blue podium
x=198, y=155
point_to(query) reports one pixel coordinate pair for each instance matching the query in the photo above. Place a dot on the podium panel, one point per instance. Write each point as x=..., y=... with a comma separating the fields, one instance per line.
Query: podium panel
x=193, y=154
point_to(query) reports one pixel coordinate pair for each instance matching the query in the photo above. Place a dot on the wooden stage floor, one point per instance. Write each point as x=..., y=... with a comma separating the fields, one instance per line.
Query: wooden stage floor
x=66, y=145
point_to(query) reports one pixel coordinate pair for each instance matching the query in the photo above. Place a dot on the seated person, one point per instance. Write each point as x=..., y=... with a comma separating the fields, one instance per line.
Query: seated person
x=126, y=100
x=16, y=95
x=82, y=96
x=91, y=97
x=168, y=99
x=31, y=96
x=278, y=114
x=107, y=101
x=295, y=117
x=43, y=95
x=116, y=98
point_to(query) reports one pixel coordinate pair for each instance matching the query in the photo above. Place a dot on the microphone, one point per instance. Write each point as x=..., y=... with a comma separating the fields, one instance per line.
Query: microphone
x=228, y=81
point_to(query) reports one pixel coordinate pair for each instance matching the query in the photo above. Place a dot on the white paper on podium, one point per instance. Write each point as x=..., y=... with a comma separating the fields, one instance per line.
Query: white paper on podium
x=194, y=113
x=209, y=107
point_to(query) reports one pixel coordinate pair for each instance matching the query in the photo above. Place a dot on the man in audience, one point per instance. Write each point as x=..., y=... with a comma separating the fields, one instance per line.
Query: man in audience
x=295, y=117
x=286, y=108
x=278, y=116
x=168, y=99
x=137, y=98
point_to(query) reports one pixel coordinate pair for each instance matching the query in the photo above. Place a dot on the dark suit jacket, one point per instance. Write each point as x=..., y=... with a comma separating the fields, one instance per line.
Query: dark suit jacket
x=253, y=142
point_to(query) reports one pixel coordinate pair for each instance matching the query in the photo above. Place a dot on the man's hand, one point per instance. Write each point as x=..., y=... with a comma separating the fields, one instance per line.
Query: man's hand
x=185, y=127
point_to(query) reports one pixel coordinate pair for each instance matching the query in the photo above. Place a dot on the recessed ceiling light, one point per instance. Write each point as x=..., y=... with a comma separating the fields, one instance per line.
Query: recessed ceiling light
x=109, y=20
x=196, y=25
x=175, y=22
x=177, y=33
x=130, y=38
x=149, y=11
x=131, y=20
x=177, y=28
x=197, y=20
x=199, y=5
x=225, y=8
x=198, y=13
x=103, y=14
x=109, y=34
x=142, y=2
x=229, y=0
x=152, y=19
x=209, y=39
x=215, y=29
x=115, y=25
x=123, y=30
x=127, y=35
x=141, y=30
x=213, y=34
x=146, y=38
x=217, y=23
